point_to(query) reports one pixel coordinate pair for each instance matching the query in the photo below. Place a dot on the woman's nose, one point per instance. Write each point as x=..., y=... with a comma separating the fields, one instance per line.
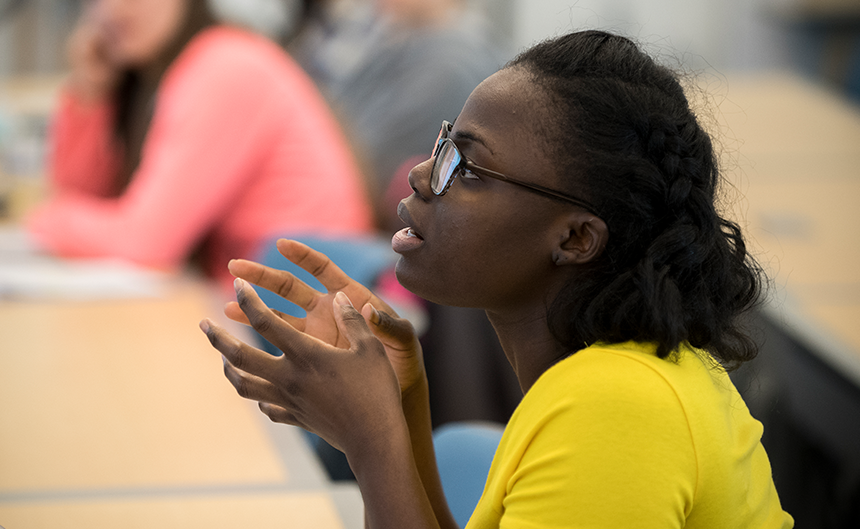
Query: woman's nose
x=419, y=178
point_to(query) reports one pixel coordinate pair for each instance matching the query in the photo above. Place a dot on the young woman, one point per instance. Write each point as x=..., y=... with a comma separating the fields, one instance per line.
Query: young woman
x=573, y=200
x=178, y=136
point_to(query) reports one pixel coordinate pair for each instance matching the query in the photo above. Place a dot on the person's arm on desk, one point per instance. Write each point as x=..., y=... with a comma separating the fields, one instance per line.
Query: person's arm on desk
x=335, y=379
x=83, y=159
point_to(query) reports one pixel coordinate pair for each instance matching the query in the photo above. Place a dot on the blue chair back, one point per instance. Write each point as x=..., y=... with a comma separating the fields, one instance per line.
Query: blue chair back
x=464, y=452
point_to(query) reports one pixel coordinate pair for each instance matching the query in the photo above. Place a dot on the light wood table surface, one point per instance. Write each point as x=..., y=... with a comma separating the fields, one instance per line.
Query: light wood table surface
x=792, y=151
x=115, y=413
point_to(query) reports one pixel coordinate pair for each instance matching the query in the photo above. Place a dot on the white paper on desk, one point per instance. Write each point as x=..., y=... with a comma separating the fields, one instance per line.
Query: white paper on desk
x=15, y=243
x=27, y=274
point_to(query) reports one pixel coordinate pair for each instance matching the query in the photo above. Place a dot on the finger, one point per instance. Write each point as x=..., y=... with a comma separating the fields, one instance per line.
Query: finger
x=280, y=282
x=397, y=333
x=315, y=263
x=326, y=272
x=234, y=312
x=278, y=414
x=261, y=317
x=351, y=323
x=293, y=343
x=250, y=386
x=237, y=352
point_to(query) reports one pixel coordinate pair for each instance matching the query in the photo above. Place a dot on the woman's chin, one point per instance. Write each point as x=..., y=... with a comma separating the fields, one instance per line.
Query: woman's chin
x=413, y=280
x=425, y=286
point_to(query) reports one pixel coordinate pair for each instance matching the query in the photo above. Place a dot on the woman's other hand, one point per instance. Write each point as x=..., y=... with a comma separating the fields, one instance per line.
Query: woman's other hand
x=396, y=334
x=94, y=75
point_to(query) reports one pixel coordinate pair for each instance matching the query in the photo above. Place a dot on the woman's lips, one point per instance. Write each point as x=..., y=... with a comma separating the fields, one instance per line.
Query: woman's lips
x=406, y=240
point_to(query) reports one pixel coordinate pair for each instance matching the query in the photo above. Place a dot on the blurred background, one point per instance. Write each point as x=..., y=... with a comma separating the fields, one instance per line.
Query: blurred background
x=779, y=83
x=816, y=37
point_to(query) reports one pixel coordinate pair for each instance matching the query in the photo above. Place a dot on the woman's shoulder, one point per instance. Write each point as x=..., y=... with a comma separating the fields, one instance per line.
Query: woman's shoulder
x=628, y=375
x=601, y=403
x=615, y=360
x=229, y=53
x=601, y=365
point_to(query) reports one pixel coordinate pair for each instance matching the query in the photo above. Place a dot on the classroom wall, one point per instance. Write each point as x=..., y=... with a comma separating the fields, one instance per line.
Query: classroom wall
x=818, y=38
x=32, y=36
x=725, y=34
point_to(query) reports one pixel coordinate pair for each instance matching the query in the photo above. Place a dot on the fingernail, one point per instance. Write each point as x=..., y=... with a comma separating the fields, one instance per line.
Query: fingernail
x=374, y=315
x=204, y=326
x=238, y=284
x=342, y=300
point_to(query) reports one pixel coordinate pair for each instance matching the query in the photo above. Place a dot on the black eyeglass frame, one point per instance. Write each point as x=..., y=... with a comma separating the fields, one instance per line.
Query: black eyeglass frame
x=465, y=164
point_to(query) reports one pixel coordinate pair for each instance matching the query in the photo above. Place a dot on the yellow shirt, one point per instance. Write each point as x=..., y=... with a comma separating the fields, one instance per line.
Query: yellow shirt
x=614, y=436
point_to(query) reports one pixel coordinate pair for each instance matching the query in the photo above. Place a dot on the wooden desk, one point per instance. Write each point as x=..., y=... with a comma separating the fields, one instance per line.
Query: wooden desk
x=116, y=414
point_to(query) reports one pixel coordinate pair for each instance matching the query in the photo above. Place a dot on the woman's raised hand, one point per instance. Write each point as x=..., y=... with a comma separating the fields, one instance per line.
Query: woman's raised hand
x=396, y=334
x=94, y=75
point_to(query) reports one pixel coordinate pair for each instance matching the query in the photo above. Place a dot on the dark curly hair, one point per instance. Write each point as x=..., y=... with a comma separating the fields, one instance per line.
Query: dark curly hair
x=673, y=270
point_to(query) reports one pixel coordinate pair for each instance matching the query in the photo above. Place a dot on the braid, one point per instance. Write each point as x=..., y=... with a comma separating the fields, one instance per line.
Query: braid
x=673, y=270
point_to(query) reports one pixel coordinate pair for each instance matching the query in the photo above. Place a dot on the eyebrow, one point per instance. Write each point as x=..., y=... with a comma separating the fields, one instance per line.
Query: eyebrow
x=471, y=136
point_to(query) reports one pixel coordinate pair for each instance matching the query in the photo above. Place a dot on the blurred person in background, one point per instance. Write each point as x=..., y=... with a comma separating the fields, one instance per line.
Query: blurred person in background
x=394, y=67
x=178, y=138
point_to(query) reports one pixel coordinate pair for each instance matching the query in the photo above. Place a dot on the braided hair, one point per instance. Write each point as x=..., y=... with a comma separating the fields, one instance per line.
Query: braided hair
x=673, y=270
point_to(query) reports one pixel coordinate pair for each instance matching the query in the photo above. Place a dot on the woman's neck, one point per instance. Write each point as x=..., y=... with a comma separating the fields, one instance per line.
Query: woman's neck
x=528, y=343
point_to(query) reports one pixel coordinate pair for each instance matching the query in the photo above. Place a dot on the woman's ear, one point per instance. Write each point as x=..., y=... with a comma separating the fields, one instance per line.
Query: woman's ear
x=582, y=240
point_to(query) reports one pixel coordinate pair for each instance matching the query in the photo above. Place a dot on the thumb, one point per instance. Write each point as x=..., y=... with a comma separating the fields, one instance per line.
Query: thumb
x=394, y=332
x=350, y=323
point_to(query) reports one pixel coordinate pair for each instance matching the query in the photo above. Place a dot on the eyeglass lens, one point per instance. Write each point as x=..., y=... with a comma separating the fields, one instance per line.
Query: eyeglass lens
x=444, y=166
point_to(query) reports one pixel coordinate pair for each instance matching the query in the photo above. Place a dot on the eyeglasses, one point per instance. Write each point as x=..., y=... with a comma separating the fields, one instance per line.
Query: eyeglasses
x=449, y=163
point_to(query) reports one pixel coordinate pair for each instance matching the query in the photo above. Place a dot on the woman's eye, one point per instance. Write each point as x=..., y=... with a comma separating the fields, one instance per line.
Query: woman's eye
x=469, y=174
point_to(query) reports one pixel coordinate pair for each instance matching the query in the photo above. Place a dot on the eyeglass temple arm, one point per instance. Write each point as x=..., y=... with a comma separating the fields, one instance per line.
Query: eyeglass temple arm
x=534, y=187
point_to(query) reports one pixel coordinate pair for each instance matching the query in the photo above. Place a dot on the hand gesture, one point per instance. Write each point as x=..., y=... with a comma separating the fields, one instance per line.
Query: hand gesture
x=396, y=334
x=339, y=378
x=346, y=396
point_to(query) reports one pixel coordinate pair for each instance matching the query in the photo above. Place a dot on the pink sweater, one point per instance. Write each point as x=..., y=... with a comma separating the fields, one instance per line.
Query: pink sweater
x=241, y=148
